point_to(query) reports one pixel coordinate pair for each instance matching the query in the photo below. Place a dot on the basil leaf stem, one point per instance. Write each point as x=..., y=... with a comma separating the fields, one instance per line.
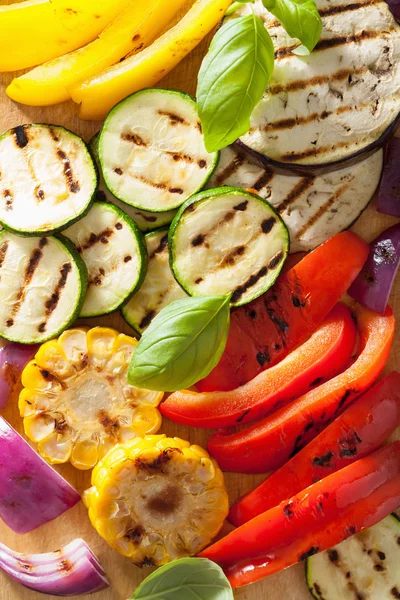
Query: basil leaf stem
x=182, y=344
x=232, y=79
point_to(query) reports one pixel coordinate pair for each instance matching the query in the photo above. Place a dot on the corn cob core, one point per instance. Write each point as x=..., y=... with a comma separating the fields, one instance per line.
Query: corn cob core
x=76, y=401
x=157, y=499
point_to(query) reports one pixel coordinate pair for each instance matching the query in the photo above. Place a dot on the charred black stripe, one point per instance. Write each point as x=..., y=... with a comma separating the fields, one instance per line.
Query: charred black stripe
x=31, y=267
x=295, y=192
x=175, y=190
x=299, y=121
x=322, y=210
x=242, y=206
x=154, y=184
x=53, y=135
x=9, y=198
x=268, y=224
x=263, y=180
x=161, y=246
x=21, y=139
x=275, y=260
x=180, y=157
x=333, y=42
x=198, y=240
x=3, y=253
x=302, y=84
x=53, y=301
x=94, y=238
x=335, y=10
x=173, y=118
x=148, y=218
x=73, y=185
x=229, y=260
x=149, y=316
x=251, y=281
x=395, y=592
x=231, y=168
x=134, y=138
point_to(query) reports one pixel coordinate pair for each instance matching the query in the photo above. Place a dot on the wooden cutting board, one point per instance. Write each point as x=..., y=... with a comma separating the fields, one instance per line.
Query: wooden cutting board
x=124, y=576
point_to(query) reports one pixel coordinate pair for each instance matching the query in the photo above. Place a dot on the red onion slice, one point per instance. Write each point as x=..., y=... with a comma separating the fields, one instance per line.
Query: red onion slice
x=13, y=358
x=374, y=283
x=71, y=571
x=389, y=190
x=31, y=492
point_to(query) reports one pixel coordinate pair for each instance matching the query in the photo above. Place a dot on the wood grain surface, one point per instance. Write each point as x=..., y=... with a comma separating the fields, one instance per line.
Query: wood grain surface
x=124, y=576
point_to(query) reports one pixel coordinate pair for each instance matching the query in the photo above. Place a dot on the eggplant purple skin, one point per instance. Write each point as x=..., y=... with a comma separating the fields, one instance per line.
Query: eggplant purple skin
x=374, y=283
x=320, y=168
x=31, y=492
x=389, y=191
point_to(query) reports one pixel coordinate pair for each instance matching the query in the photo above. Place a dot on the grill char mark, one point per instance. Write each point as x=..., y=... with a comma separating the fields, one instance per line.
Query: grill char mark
x=230, y=259
x=31, y=267
x=294, y=156
x=173, y=118
x=326, y=43
x=334, y=10
x=73, y=185
x=53, y=301
x=251, y=282
x=290, y=123
x=295, y=192
x=3, y=253
x=302, y=84
x=9, y=198
x=322, y=210
x=134, y=138
x=157, y=185
x=21, y=139
x=262, y=181
x=161, y=247
x=231, y=168
x=94, y=238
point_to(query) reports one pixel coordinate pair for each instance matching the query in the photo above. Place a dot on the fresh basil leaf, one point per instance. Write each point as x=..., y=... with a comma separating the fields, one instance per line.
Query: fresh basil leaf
x=186, y=579
x=182, y=344
x=234, y=7
x=300, y=18
x=232, y=79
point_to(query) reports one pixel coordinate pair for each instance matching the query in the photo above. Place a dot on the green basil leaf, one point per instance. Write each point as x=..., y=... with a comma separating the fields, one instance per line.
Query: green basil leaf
x=234, y=7
x=300, y=18
x=182, y=344
x=232, y=79
x=186, y=579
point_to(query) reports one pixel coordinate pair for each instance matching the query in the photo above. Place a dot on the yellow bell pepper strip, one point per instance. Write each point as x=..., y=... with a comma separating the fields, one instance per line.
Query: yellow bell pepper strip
x=34, y=31
x=134, y=28
x=99, y=94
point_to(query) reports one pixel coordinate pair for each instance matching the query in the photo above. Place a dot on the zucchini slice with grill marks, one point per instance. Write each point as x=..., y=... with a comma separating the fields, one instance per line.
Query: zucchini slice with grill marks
x=152, y=152
x=227, y=241
x=365, y=566
x=115, y=255
x=47, y=179
x=43, y=283
x=159, y=287
x=145, y=220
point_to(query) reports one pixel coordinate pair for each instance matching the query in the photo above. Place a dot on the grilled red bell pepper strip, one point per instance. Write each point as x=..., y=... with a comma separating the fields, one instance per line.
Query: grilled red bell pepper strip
x=360, y=430
x=267, y=445
x=263, y=332
x=319, y=358
x=323, y=515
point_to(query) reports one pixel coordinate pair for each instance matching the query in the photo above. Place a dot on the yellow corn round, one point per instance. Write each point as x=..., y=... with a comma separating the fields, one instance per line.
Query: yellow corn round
x=76, y=401
x=156, y=499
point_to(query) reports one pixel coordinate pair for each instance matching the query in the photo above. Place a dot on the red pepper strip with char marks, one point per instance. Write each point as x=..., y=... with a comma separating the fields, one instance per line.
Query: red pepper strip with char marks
x=267, y=445
x=263, y=332
x=323, y=515
x=360, y=430
x=321, y=357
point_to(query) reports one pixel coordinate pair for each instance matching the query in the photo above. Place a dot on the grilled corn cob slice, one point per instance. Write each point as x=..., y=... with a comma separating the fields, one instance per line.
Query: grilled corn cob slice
x=76, y=401
x=157, y=499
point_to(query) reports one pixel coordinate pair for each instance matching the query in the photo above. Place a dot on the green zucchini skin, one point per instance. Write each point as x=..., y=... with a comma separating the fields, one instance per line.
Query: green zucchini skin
x=217, y=194
x=145, y=220
x=363, y=566
x=72, y=256
x=155, y=184
x=159, y=287
x=55, y=132
x=93, y=306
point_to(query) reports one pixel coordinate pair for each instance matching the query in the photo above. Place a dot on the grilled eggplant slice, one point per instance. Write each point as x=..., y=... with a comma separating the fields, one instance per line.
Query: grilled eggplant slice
x=159, y=287
x=145, y=220
x=152, y=152
x=364, y=566
x=336, y=103
x=115, y=254
x=47, y=179
x=43, y=283
x=314, y=208
x=227, y=241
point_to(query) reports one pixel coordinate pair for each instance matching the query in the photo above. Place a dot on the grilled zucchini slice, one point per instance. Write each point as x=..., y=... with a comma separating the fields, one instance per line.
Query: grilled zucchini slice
x=227, y=241
x=43, y=283
x=314, y=208
x=364, y=566
x=159, y=287
x=115, y=255
x=48, y=179
x=145, y=220
x=152, y=152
